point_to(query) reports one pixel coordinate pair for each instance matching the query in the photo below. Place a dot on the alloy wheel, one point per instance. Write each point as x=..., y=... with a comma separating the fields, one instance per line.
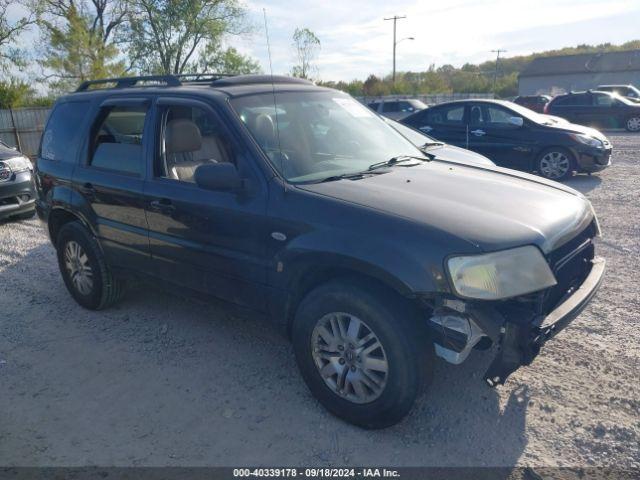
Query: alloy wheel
x=349, y=357
x=554, y=165
x=77, y=264
x=633, y=124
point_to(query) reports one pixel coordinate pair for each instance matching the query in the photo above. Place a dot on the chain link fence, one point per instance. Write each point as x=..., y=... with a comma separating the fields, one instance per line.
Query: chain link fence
x=22, y=128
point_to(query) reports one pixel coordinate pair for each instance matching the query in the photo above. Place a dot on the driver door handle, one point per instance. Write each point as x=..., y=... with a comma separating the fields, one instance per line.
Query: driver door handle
x=163, y=205
x=478, y=133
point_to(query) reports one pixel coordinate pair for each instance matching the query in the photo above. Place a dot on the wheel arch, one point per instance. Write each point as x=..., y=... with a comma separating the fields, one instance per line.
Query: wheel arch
x=60, y=216
x=309, y=273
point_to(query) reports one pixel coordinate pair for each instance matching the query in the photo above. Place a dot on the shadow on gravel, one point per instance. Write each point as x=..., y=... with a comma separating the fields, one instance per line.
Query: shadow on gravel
x=166, y=380
x=584, y=183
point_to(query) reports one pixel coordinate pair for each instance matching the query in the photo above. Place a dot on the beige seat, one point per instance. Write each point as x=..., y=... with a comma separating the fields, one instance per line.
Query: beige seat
x=186, y=149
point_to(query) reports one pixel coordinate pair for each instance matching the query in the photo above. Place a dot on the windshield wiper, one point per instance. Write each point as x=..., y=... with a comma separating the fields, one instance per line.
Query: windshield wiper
x=431, y=144
x=399, y=159
x=343, y=176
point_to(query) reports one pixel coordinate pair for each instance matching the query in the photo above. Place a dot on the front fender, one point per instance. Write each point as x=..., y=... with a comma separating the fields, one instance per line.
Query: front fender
x=384, y=260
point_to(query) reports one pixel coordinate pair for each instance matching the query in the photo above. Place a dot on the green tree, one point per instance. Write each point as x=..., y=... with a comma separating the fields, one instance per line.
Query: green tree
x=80, y=40
x=306, y=46
x=229, y=61
x=15, y=93
x=176, y=36
x=10, y=34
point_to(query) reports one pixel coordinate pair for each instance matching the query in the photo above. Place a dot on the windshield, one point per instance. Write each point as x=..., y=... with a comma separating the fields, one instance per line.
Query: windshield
x=310, y=136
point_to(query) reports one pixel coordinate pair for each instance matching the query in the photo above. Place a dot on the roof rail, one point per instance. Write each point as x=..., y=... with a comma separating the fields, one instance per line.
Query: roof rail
x=257, y=79
x=202, y=77
x=174, y=80
x=124, y=82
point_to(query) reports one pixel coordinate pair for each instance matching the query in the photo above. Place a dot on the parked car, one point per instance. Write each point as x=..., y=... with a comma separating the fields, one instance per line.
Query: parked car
x=300, y=204
x=441, y=150
x=628, y=91
x=515, y=137
x=533, y=102
x=597, y=109
x=17, y=194
x=397, y=109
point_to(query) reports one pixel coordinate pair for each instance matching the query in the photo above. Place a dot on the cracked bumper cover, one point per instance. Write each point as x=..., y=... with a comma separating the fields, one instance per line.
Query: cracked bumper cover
x=520, y=342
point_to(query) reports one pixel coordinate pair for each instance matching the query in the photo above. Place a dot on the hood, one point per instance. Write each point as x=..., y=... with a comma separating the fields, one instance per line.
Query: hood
x=7, y=152
x=491, y=207
x=457, y=154
x=574, y=128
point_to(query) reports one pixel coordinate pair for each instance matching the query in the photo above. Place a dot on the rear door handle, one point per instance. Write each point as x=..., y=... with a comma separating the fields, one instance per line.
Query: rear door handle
x=478, y=133
x=163, y=205
x=88, y=190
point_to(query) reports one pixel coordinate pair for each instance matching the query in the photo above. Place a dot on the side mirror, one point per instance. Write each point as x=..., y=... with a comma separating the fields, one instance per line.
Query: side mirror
x=218, y=176
x=516, y=121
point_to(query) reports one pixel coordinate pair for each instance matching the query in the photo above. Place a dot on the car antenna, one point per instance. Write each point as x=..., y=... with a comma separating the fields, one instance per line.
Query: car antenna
x=273, y=91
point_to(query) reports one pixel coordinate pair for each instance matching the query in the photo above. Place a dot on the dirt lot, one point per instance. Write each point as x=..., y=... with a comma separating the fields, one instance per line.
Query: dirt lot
x=162, y=380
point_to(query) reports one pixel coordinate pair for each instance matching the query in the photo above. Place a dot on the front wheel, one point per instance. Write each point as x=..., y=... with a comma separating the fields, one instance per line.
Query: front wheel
x=363, y=354
x=555, y=164
x=633, y=124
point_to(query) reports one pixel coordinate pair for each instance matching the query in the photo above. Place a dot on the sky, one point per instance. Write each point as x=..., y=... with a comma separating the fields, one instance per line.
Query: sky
x=356, y=41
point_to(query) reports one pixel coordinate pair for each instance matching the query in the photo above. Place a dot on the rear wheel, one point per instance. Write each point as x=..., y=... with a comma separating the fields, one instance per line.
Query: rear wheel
x=633, y=124
x=363, y=354
x=555, y=164
x=84, y=269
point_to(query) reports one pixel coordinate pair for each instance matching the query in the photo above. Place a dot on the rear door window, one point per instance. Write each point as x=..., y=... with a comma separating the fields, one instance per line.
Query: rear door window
x=602, y=100
x=60, y=138
x=390, y=107
x=573, y=100
x=117, y=139
x=451, y=115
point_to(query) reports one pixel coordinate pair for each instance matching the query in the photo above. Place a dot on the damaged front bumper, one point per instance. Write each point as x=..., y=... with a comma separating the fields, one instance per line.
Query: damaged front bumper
x=517, y=330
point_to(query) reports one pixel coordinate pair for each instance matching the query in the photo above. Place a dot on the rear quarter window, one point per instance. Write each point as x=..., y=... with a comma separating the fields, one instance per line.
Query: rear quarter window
x=60, y=139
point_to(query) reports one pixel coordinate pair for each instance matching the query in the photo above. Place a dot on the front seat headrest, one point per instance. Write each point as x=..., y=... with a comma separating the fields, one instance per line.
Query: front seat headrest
x=265, y=130
x=182, y=135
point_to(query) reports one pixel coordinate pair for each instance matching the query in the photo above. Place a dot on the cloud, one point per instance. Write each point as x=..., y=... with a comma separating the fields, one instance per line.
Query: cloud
x=357, y=41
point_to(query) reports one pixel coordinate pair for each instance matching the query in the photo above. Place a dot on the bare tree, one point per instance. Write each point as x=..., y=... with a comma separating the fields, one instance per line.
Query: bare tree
x=10, y=31
x=306, y=46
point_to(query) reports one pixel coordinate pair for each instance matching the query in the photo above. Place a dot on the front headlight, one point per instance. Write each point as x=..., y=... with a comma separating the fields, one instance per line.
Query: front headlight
x=587, y=140
x=18, y=164
x=498, y=275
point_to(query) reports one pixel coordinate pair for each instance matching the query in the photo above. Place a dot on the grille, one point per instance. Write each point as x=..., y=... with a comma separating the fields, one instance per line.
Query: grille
x=570, y=263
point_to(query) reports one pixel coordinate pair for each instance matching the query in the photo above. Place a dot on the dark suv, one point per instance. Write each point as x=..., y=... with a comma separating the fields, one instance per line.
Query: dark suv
x=300, y=204
x=597, y=109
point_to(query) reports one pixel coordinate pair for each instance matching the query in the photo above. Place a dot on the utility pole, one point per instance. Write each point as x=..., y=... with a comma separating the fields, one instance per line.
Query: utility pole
x=495, y=73
x=395, y=18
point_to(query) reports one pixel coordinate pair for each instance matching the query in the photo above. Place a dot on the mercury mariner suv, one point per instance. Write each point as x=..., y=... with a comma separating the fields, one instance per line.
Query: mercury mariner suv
x=300, y=204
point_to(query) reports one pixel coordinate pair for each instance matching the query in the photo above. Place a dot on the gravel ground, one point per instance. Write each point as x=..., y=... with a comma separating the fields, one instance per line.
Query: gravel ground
x=162, y=380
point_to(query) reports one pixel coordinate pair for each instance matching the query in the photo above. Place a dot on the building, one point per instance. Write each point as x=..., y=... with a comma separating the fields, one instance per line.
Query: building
x=554, y=75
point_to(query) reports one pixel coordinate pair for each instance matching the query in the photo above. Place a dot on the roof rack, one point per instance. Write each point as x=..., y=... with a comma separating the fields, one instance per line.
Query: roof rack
x=168, y=80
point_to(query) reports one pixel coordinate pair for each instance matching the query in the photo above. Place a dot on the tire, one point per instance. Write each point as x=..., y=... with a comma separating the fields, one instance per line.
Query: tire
x=104, y=289
x=633, y=124
x=405, y=346
x=555, y=164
